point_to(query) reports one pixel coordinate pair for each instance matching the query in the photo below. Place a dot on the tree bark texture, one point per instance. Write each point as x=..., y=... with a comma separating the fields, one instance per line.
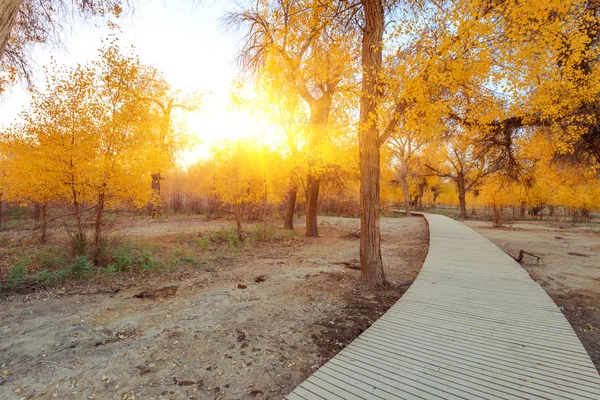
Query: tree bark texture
x=462, y=195
x=155, y=206
x=319, y=115
x=371, y=265
x=99, y=221
x=43, y=222
x=290, y=205
x=404, y=183
x=8, y=15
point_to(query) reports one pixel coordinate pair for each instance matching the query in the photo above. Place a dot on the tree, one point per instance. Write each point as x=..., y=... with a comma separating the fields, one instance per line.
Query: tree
x=24, y=23
x=60, y=130
x=282, y=104
x=462, y=164
x=164, y=141
x=306, y=44
x=27, y=178
x=85, y=139
x=405, y=144
x=369, y=140
x=247, y=179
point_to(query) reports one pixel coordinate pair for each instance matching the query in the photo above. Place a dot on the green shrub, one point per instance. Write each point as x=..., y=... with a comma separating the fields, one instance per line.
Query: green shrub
x=44, y=277
x=82, y=267
x=202, y=242
x=63, y=273
x=147, y=259
x=181, y=254
x=224, y=235
x=51, y=257
x=122, y=257
x=270, y=234
x=18, y=274
x=79, y=243
x=233, y=239
x=110, y=270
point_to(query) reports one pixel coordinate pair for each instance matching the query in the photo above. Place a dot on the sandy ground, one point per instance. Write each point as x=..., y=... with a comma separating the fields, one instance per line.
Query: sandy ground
x=569, y=269
x=196, y=334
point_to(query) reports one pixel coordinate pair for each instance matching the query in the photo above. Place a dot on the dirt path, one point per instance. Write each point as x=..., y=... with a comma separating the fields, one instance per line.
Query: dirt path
x=202, y=336
x=569, y=270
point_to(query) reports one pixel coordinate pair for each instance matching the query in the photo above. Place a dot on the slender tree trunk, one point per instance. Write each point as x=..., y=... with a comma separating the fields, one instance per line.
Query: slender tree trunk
x=462, y=195
x=37, y=210
x=319, y=115
x=522, y=210
x=312, y=204
x=99, y=221
x=43, y=223
x=290, y=205
x=371, y=265
x=420, y=200
x=238, y=221
x=8, y=15
x=404, y=183
x=155, y=206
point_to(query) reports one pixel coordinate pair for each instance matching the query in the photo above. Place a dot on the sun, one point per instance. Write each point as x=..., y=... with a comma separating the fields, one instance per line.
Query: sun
x=214, y=124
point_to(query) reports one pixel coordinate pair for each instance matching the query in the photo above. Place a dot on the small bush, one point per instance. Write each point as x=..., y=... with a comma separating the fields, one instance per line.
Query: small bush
x=63, y=274
x=18, y=274
x=45, y=277
x=82, y=267
x=122, y=258
x=270, y=234
x=233, y=239
x=79, y=243
x=147, y=259
x=51, y=258
x=203, y=242
x=181, y=254
x=110, y=270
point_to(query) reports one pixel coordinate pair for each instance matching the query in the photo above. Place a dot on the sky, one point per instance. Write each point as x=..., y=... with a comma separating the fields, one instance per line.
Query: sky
x=184, y=40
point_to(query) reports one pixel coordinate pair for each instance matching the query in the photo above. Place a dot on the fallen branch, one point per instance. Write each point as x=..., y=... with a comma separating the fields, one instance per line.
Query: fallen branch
x=522, y=254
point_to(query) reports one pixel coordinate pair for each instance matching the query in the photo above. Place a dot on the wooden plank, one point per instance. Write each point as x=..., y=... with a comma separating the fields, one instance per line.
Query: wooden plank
x=473, y=325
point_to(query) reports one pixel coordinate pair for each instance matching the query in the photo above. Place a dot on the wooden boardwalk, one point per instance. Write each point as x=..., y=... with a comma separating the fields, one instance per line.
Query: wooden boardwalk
x=473, y=325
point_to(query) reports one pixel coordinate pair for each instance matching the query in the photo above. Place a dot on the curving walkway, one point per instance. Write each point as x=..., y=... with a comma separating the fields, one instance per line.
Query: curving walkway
x=473, y=325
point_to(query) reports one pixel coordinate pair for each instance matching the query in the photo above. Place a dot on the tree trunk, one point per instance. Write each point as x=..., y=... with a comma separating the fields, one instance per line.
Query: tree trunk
x=43, y=223
x=99, y=221
x=290, y=205
x=319, y=116
x=462, y=195
x=420, y=199
x=371, y=265
x=312, y=203
x=238, y=221
x=404, y=183
x=155, y=203
x=497, y=215
x=522, y=210
x=8, y=15
x=37, y=210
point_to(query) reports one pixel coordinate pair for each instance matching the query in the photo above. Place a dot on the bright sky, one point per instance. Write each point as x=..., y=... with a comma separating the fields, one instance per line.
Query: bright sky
x=188, y=43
